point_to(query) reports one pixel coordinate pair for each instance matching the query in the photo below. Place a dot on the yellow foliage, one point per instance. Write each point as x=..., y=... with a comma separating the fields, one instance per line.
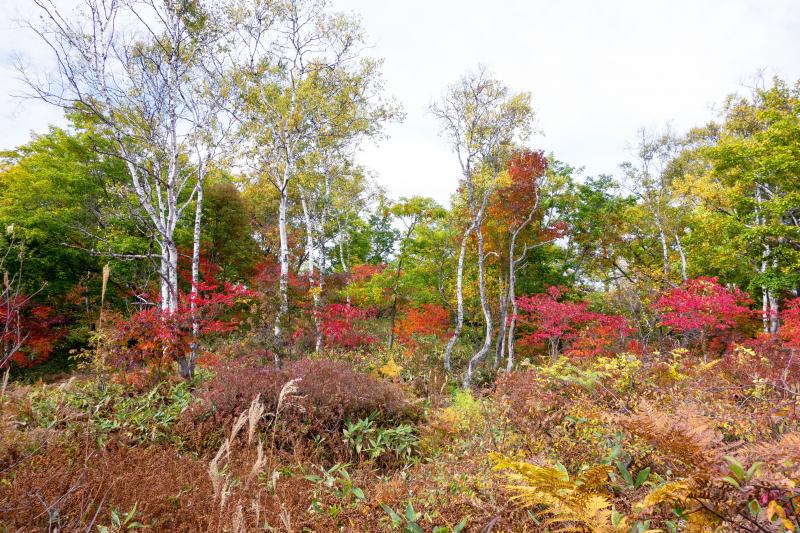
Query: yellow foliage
x=391, y=369
x=669, y=493
x=579, y=504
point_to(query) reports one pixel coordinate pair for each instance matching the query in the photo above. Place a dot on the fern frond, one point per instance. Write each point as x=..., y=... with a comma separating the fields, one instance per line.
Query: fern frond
x=674, y=492
x=579, y=504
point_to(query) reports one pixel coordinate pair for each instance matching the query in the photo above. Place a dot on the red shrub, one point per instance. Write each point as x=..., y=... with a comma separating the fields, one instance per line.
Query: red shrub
x=152, y=337
x=426, y=321
x=790, y=327
x=341, y=326
x=568, y=326
x=32, y=329
x=702, y=309
x=365, y=271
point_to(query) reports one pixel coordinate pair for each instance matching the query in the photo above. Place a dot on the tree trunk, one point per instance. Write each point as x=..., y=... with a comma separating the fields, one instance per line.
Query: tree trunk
x=682, y=255
x=501, y=335
x=487, y=311
x=512, y=298
x=187, y=367
x=448, y=351
x=313, y=287
x=511, y=327
x=283, y=280
x=774, y=312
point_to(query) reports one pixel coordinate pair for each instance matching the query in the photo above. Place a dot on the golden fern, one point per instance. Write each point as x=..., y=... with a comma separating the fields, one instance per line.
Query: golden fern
x=684, y=436
x=580, y=504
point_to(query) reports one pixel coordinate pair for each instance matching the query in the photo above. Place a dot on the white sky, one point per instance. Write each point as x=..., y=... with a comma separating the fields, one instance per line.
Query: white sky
x=597, y=71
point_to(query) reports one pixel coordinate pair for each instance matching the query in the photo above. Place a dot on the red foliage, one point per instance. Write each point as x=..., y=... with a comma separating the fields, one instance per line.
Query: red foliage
x=599, y=334
x=568, y=326
x=790, y=328
x=151, y=336
x=266, y=275
x=426, y=321
x=208, y=270
x=341, y=325
x=525, y=169
x=32, y=329
x=365, y=271
x=702, y=307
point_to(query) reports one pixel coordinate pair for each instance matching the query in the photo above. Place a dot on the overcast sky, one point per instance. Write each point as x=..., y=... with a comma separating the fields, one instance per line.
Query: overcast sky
x=597, y=71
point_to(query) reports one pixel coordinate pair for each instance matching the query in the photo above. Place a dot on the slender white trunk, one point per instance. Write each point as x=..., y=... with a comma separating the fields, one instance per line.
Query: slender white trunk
x=682, y=254
x=511, y=330
x=500, y=352
x=512, y=298
x=313, y=287
x=187, y=366
x=769, y=301
x=774, y=312
x=487, y=311
x=345, y=268
x=664, y=247
x=283, y=277
x=448, y=351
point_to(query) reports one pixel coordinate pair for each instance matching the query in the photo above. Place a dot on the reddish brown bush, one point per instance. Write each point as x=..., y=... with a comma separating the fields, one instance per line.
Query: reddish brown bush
x=330, y=393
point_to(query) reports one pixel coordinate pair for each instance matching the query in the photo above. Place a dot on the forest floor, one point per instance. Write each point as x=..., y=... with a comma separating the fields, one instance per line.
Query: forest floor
x=363, y=441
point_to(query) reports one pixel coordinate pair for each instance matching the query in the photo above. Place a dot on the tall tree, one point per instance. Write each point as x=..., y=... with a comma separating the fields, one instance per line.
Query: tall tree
x=517, y=208
x=481, y=119
x=139, y=72
x=412, y=213
x=306, y=88
x=650, y=180
x=747, y=183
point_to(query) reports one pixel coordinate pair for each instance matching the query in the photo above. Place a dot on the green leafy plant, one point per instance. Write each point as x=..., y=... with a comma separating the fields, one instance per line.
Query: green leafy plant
x=334, y=481
x=122, y=522
x=365, y=438
x=408, y=522
x=738, y=475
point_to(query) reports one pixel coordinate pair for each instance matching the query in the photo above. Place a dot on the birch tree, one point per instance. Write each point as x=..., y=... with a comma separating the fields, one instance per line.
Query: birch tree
x=751, y=167
x=138, y=70
x=307, y=87
x=481, y=119
x=517, y=208
x=650, y=180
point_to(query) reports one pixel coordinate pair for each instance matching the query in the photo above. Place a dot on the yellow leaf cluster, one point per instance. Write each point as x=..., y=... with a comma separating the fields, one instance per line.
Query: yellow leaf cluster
x=579, y=504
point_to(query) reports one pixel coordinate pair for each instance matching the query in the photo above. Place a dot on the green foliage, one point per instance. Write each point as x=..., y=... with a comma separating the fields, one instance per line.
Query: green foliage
x=227, y=231
x=408, y=522
x=111, y=408
x=122, y=522
x=336, y=482
x=366, y=439
x=564, y=371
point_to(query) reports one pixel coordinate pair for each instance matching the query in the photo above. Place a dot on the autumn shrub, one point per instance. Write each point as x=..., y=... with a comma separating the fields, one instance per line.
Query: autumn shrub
x=552, y=322
x=428, y=322
x=28, y=332
x=714, y=484
x=704, y=313
x=329, y=394
x=532, y=408
x=342, y=326
x=151, y=337
x=72, y=487
x=790, y=329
